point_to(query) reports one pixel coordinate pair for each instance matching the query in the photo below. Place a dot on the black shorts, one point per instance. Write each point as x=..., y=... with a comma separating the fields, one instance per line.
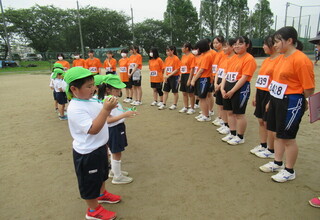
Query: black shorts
x=117, y=138
x=61, y=98
x=284, y=115
x=172, y=84
x=202, y=87
x=128, y=84
x=136, y=82
x=262, y=99
x=219, y=99
x=54, y=95
x=111, y=72
x=183, y=83
x=91, y=170
x=156, y=85
x=238, y=102
x=211, y=87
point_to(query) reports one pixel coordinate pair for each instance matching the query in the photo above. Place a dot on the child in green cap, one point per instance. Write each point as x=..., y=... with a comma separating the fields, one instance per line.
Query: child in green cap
x=88, y=127
x=60, y=88
x=51, y=84
x=117, y=130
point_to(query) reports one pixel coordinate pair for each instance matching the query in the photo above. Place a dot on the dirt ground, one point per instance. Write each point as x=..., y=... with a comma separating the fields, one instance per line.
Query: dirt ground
x=181, y=168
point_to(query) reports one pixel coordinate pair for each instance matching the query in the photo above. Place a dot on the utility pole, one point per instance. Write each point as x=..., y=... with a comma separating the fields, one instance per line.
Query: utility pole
x=285, y=18
x=308, y=26
x=80, y=31
x=275, y=23
x=318, y=23
x=132, y=25
x=5, y=32
x=299, y=27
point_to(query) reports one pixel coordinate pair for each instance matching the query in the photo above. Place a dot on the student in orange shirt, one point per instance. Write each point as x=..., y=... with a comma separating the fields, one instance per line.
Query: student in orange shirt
x=187, y=71
x=222, y=120
x=201, y=81
x=156, y=67
x=110, y=64
x=134, y=72
x=78, y=61
x=123, y=67
x=65, y=64
x=293, y=82
x=171, y=77
x=210, y=97
x=92, y=63
x=235, y=89
x=262, y=98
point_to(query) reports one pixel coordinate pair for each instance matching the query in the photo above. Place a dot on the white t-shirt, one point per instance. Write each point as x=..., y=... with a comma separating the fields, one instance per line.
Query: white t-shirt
x=81, y=114
x=56, y=83
x=51, y=81
x=115, y=112
x=62, y=85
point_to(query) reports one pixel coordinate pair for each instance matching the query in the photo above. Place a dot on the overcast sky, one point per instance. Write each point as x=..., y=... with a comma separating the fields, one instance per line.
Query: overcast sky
x=155, y=8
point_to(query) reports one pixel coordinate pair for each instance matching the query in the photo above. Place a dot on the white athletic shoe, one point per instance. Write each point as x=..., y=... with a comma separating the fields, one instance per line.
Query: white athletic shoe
x=265, y=154
x=283, y=176
x=198, y=116
x=133, y=102
x=154, y=103
x=173, y=107
x=204, y=118
x=183, y=110
x=220, y=128
x=137, y=103
x=190, y=111
x=271, y=167
x=211, y=113
x=196, y=106
x=124, y=173
x=224, y=130
x=257, y=149
x=235, y=141
x=159, y=104
x=122, y=180
x=218, y=122
x=161, y=107
x=227, y=138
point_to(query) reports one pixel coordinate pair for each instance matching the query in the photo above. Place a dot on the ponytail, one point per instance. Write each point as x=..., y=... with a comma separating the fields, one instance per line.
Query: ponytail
x=299, y=45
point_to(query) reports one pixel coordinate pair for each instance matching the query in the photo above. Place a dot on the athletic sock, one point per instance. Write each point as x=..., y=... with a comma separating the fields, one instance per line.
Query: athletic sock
x=271, y=150
x=116, y=167
x=233, y=132
x=289, y=170
x=279, y=163
x=240, y=136
x=226, y=124
x=264, y=145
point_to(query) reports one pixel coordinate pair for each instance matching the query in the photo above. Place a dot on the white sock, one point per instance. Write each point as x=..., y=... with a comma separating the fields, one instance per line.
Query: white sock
x=116, y=167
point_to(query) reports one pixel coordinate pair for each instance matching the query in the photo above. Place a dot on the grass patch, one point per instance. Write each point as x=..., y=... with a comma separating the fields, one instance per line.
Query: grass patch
x=42, y=67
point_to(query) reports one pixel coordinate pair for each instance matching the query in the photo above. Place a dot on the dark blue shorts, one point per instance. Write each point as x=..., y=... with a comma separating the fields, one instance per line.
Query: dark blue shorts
x=61, y=98
x=202, y=87
x=262, y=98
x=117, y=138
x=172, y=84
x=54, y=95
x=238, y=102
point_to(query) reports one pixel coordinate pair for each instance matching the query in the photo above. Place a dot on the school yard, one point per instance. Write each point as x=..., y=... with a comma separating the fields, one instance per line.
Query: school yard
x=181, y=168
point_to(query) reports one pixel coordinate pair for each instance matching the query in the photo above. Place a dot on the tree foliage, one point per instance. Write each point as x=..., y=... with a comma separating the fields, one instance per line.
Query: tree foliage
x=209, y=14
x=261, y=19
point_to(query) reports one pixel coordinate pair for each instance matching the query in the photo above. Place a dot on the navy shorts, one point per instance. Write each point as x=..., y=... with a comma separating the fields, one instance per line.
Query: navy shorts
x=284, y=115
x=202, y=87
x=238, y=102
x=91, y=170
x=172, y=84
x=219, y=99
x=262, y=99
x=128, y=85
x=156, y=85
x=54, y=95
x=117, y=138
x=183, y=84
x=61, y=98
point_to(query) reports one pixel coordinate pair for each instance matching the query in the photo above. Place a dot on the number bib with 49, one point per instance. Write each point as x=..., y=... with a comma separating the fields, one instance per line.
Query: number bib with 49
x=277, y=90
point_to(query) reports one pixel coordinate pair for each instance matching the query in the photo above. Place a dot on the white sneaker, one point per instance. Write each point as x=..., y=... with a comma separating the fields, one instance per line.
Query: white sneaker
x=235, y=141
x=265, y=154
x=227, y=138
x=183, y=110
x=217, y=121
x=161, y=107
x=122, y=180
x=173, y=107
x=124, y=173
x=159, y=104
x=211, y=113
x=154, y=103
x=196, y=106
x=224, y=130
x=271, y=167
x=283, y=176
x=137, y=103
x=199, y=116
x=257, y=149
x=190, y=111
x=220, y=128
x=133, y=102
x=204, y=118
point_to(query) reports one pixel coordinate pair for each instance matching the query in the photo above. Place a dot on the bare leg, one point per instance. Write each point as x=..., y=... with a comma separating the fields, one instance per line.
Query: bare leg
x=241, y=123
x=175, y=98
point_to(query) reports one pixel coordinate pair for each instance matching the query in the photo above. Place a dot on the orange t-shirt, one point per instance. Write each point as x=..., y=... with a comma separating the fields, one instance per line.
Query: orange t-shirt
x=93, y=65
x=295, y=71
x=196, y=64
x=244, y=65
x=65, y=64
x=171, y=64
x=205, y=63
x=187, y=63
x=214, y=68
x=79, y=63
x=223, y=66
x=123, y=66
x=113, y=65
x=156, y=67
x=265, y=74
x=135, y=59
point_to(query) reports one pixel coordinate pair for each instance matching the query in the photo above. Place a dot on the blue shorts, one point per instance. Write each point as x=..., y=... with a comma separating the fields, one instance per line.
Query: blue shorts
x=262, y=98
x=238, y=102
x=117, y=138
x=202, y=87
x=61, y=98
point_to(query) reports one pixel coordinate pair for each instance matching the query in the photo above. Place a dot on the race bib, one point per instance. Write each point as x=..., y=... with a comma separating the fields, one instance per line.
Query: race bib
x=93, y=69
x=214, y=68
x=262, y=81
x=221, y=73
x=153, y=73
x=195, y=70
x=123, y=69
x=183, y=69
x=132, y=65
x=136, y=75
x=108, y=69
x=169, y=69
x=277, y=90
x=232, y=77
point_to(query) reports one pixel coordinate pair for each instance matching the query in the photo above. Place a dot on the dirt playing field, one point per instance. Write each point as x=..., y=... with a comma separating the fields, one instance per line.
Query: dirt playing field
x=181, y=168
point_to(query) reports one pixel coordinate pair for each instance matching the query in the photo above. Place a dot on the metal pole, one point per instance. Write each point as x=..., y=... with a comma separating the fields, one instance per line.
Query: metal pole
x=309, y=31
x=132, y=25
x=318, y=23
x=285, y=18
x=308, y=25
x=275, y=23
x=293, y=22
x=5, y=32
x=299, y=27
x=80, y=31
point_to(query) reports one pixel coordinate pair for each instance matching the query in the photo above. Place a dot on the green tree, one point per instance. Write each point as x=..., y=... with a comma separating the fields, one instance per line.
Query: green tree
x=151, y=33
x=226, y=9
x=182, y=18
x=261, y=19
x=209, y=12
x=240, y=19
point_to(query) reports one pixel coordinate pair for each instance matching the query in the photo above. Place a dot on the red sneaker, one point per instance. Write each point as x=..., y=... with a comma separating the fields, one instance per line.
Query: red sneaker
x=101, y=214
x=109, y=198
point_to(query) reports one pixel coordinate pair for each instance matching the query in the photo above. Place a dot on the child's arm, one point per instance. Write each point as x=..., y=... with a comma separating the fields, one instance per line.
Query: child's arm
x=100, y=120
x=112, y=119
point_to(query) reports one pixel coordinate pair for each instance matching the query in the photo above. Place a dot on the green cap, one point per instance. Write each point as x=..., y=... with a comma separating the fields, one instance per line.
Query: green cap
x=73, y=74
x=114, y=81
x=56, y=72
x=57, y=65
x=98, y=79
